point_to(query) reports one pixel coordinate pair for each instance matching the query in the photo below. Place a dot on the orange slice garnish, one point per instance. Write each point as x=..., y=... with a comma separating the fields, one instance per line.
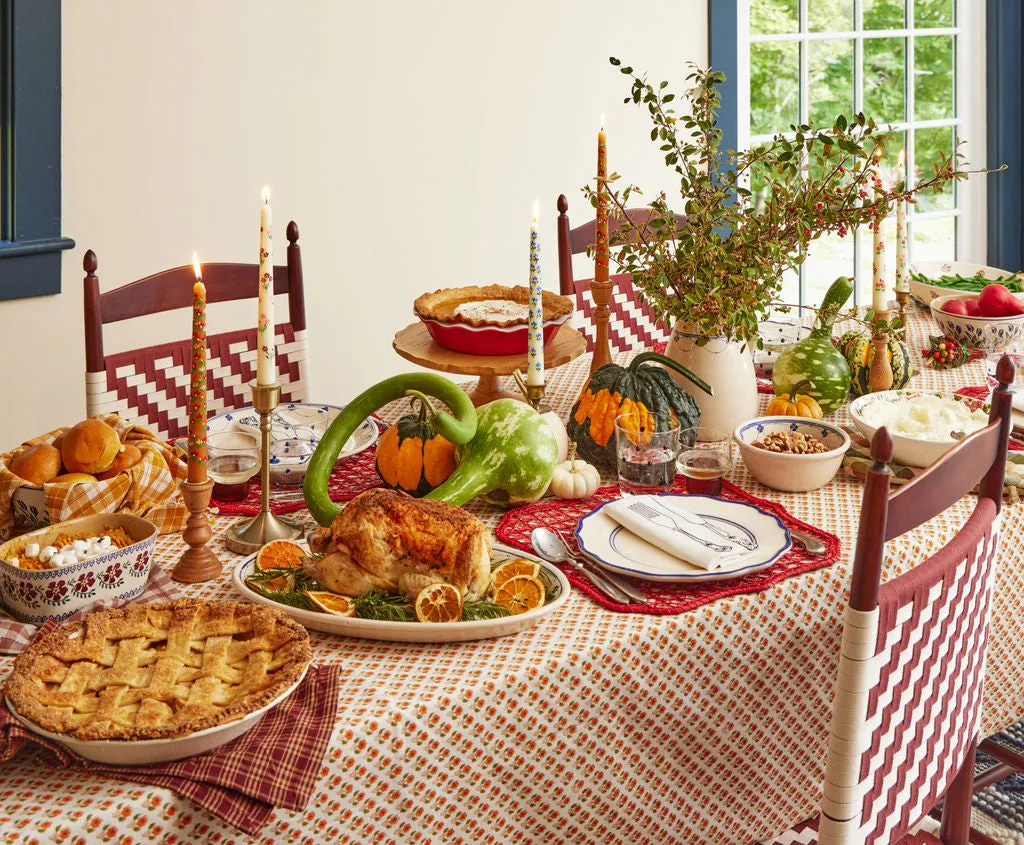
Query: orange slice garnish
x=439, y=602
x=512, y=568
x=281, y=554
x=520, y=593
x=331, y=602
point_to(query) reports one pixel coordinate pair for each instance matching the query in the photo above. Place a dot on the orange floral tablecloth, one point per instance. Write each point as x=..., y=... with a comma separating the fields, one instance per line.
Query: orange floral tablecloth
x=592, y=727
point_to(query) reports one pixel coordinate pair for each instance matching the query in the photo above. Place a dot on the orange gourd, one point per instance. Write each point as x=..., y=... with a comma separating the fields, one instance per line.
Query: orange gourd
x=795, y=404
x=412, y=457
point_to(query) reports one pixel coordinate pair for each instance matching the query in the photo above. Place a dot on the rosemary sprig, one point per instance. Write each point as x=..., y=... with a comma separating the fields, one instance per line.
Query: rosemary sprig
x=293, y=598
x=474, y=610
x=376, y=604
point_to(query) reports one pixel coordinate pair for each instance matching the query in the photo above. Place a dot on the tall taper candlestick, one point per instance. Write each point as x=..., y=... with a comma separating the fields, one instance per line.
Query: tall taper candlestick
x=197, y=386
x=902, y=278
x=535, y=349
x=879, y=291
x=601, y=288
x=266, y=365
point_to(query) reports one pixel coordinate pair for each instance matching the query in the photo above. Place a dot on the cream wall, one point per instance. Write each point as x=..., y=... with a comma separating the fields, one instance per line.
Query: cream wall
x=408, y=139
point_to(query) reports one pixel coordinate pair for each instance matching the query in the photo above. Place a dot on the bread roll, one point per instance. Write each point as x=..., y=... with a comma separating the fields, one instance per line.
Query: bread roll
x=90, y=446
x=38, y=464
x=76, y=478
x=128, y=457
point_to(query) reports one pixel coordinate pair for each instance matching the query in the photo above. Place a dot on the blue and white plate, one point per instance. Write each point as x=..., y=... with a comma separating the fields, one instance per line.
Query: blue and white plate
x=776, y=335
x=294, y=433
x=615, y=548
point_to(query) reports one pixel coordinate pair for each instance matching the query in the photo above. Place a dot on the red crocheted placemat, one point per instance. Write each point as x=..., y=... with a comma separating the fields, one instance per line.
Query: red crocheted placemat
x=563, y=514
x=348, y=479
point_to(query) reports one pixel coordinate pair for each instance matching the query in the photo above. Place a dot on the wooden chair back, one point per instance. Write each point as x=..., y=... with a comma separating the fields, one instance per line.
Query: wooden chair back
x=908, y=699
x=150, y=384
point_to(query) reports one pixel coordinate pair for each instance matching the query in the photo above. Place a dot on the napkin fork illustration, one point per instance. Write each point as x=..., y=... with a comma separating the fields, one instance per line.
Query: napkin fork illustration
x=747, y=542
x=667, y=521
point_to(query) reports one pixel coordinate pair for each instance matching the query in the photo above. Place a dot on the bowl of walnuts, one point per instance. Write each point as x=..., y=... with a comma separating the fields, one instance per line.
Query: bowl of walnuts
x=791, y=453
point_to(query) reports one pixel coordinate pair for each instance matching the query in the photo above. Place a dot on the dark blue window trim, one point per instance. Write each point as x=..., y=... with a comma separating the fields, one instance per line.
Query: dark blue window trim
x=723, y=51
x=1005, y=105
x=31, y=241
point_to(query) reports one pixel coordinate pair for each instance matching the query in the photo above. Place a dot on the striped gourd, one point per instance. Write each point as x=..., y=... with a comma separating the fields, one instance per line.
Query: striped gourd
x=858, y=351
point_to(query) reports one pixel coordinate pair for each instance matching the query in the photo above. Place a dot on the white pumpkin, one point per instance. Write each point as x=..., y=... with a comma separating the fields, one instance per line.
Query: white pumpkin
x=575, y=479
x=558, y=429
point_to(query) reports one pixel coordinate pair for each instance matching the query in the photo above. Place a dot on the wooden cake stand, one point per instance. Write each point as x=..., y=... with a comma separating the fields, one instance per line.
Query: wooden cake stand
x=415, y=344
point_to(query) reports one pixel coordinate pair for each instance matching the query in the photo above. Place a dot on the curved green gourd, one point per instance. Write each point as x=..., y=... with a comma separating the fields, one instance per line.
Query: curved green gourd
x=815, y=358
x=509, y=461
x=458, y=427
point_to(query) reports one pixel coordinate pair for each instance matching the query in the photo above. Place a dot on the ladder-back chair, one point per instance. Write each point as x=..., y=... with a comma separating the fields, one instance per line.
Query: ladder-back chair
x=150, y=385
x=907, y=706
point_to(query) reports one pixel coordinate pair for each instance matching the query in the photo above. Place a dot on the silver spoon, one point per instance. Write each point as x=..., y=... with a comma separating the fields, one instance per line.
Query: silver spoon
x=553, y=549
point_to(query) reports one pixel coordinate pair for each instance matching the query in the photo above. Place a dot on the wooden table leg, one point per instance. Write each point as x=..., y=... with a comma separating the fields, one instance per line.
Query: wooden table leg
x=488, y=388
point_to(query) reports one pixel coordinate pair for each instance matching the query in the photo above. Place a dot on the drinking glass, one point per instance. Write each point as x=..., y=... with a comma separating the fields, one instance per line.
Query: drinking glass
x=646, y=458
x=705, y=455
x=232, y=458
x=992, y=360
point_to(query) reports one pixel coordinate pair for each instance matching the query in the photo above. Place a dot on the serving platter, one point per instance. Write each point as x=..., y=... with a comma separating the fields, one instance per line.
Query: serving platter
x=419, y=632
x=619, y=550
x=295, y=430
x=144, y=752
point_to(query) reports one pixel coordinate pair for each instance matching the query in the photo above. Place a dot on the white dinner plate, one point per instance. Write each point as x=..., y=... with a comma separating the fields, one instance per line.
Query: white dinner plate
x=607, y=543
x=420, y=632
x=296, y=429
x=143, y=752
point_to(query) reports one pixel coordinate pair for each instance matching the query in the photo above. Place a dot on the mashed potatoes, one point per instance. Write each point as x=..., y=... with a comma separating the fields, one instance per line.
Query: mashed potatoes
x=925, y=417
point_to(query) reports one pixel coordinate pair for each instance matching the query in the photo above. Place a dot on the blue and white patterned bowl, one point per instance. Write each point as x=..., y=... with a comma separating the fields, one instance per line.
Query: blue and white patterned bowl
x=788, y=472
x=992, y=334
x=120, y=575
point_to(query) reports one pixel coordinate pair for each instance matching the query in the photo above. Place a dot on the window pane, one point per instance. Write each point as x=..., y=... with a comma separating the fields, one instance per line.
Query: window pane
x=929, y=13
x=928, y=143
x=884, y=79
x=933, y=77
x=791, y=292
x=830, y=15
x=830, y=80
x=829, y=257
x=933, y=240
x=884, y=14
x=774, y=86
x=771, y=17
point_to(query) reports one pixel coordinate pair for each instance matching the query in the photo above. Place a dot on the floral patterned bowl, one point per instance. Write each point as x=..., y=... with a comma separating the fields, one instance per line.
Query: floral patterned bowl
x=786, y=471
x=37, y=595
x=992, y=334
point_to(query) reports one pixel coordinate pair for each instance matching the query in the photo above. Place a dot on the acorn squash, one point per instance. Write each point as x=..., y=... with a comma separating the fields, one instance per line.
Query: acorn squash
x=796, y=404
x=412, y=456
x=858, y=351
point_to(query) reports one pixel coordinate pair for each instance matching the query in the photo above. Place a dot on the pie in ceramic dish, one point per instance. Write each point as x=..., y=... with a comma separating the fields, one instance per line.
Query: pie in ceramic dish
x=488, y=305
x=158, y=671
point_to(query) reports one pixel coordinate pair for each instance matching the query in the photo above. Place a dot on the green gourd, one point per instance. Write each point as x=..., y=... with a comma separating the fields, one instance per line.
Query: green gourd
x=815, y=359
x=858, y=351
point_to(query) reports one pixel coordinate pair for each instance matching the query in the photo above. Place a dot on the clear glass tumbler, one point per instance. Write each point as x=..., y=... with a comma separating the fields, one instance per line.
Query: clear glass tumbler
x=646, y=457
x=705, y=456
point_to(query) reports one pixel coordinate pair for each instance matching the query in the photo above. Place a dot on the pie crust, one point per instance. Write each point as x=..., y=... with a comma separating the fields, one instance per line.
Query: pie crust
x=498, y=303
x=156, y=671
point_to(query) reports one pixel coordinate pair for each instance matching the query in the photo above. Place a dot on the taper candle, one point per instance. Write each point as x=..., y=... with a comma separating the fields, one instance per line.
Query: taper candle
x=266, y=369
x=902, y=277
x=197, y=385
x=535, y=350
x=880, y=294
x=601, y=253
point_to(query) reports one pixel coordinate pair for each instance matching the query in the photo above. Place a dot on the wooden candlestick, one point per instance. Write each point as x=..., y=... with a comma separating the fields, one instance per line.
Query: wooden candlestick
x=602, y=293
x=198, y=562
x=880, y=373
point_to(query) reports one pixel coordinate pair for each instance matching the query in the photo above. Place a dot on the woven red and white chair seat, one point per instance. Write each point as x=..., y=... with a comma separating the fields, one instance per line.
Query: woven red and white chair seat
x=806, y=833
x=150, y=385
x=631, y=324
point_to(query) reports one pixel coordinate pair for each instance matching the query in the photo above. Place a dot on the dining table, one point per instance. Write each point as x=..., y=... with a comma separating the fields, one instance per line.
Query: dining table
x=593, y=726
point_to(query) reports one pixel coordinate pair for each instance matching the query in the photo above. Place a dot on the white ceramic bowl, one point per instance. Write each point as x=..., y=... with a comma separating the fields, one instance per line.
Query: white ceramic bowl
x=37, y=595
x=909, y=451
x=784, y=471
x=925, y=292
x=989, y=333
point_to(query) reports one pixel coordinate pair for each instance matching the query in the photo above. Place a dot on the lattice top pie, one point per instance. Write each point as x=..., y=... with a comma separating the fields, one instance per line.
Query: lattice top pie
x=488, y=305
x=153, y=671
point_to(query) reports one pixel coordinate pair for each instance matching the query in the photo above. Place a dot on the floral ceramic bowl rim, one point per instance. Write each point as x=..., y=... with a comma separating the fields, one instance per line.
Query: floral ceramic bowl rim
x=989, y=333
x=131, y=579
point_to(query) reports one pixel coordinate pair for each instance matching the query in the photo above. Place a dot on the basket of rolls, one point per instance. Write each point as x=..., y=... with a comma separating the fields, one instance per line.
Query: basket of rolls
x=100, y=465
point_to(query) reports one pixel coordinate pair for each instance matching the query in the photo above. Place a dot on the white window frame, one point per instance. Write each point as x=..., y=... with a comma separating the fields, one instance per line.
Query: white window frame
x=969, y=107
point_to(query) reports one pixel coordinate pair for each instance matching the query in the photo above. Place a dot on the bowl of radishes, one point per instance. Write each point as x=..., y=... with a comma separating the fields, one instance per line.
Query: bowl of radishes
x=991, y=320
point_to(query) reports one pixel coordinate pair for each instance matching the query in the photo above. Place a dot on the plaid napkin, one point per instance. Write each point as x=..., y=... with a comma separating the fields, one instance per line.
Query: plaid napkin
x=273, y=765
x=148, y=489
x=15, y=636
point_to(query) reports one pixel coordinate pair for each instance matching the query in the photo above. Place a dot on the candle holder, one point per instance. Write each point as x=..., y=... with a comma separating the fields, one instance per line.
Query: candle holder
x=198, y=562
x=533, y=394
x=902, y=296
x=880, y=372
x=250, y=535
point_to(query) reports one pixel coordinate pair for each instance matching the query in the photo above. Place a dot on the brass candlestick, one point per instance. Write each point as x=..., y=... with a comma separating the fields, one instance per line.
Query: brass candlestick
x=533, y=394
x=198, y=562
x=880, y=372
x=250, y=535
x=902, y=296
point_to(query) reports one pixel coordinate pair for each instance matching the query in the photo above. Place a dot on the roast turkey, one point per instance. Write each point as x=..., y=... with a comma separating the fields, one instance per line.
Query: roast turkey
x=389, y=540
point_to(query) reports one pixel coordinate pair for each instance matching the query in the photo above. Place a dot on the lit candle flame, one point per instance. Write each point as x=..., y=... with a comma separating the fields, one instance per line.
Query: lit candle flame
x=266, y=194
x=602, y=121
x=197, y=267
x=536, y=210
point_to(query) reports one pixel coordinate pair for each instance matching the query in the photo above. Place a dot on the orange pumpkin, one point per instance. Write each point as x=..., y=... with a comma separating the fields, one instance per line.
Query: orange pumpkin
x=414, y=458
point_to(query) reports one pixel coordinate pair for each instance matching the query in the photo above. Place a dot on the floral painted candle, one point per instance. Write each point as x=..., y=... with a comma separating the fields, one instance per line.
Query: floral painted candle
x=197, y=387
x=266, y=369
x=880, y=294
x=535, y=349
x=601, y=253
x=902, y=277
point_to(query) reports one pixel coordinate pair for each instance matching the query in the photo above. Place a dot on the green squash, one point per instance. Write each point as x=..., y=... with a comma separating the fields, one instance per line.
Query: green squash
x=858, y=351
x=509, y=461
x=646, y=393
x=815, y=359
